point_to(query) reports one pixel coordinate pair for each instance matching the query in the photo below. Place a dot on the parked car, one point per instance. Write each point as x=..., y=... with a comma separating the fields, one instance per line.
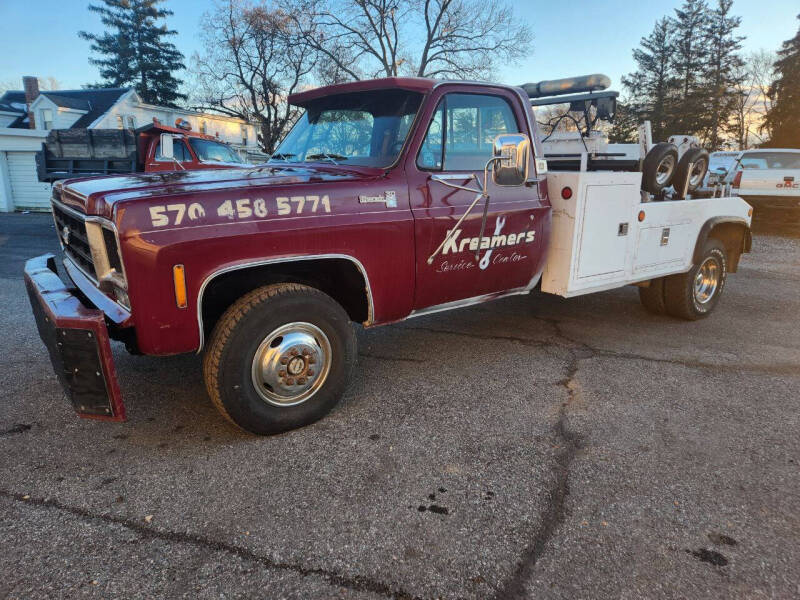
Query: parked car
x=719, y=165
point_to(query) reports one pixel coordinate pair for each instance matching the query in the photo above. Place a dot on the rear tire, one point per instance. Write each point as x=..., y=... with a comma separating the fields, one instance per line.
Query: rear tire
x=279, y=358
x=693, y=295
x=698, y=158
x=658, y=167
x=652, y=297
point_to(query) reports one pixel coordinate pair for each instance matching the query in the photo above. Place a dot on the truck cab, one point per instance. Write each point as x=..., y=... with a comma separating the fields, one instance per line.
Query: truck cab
x=388, y=199
x=190, y=150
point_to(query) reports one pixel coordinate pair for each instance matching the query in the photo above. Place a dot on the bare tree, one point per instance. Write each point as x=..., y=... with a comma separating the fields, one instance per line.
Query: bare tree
x=49, y=83
x=250, y=65
x=8, y=85
x=752, y=100
x=425, y=38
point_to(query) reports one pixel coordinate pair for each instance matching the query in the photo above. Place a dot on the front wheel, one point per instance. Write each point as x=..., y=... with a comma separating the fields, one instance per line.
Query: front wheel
x=279, y=358
x=693, y=295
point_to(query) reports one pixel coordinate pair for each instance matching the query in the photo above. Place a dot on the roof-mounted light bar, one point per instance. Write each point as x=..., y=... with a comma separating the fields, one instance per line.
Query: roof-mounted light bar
x=570, y=85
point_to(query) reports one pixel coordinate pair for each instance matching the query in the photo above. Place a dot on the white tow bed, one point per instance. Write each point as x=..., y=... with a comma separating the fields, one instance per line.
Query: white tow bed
x=605, y=236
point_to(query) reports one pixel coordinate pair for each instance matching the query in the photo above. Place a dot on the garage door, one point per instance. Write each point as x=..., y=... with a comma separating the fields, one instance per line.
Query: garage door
x=27, y=192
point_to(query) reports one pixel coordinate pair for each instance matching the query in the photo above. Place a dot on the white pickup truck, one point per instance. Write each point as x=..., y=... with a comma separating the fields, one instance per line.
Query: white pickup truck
x=767, y=178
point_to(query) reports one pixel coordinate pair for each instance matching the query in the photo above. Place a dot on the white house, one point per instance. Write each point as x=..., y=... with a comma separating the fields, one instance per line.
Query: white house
x=27, y=115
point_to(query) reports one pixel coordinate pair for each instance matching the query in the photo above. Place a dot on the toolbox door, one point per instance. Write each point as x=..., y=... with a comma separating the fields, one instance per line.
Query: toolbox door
x=604, y=238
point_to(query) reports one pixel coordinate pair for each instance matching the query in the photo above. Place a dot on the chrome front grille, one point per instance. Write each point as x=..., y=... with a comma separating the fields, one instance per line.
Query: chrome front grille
x=71, y=230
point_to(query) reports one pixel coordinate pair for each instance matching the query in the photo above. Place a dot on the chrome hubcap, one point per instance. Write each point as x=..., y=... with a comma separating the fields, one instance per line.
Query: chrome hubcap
x=698, y=170
x=706, y=281
x=665, y=168
x=291, y=364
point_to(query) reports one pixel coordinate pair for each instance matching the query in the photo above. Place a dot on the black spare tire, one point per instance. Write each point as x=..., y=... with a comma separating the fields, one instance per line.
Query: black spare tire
x=658, y=168
x=697, y=159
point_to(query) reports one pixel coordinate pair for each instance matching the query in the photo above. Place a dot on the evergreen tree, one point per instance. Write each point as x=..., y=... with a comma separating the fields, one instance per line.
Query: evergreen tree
x=723, y=73
x=690, y=55
x=783, y=118
x=652, y=87
x=625, y=128
x=134, y=49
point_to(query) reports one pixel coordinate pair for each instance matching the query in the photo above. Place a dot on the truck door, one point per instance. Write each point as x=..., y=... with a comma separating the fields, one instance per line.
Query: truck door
x=156, y=162
x=456, y=142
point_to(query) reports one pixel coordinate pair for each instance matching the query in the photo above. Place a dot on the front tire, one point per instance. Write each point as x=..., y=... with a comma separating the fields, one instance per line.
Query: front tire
x=279, y=358
x=693, y=295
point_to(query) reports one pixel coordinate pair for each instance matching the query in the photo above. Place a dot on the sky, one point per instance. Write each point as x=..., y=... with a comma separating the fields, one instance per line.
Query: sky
x=39, y=37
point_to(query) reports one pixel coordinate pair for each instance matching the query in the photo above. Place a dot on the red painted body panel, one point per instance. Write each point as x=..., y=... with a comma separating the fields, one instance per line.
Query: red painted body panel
x=414, y=84
x=392, y=244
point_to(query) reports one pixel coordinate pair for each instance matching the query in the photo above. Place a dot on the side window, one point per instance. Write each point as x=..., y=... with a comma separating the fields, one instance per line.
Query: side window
x=430, y=154
x=462, y=132
x=178, y=149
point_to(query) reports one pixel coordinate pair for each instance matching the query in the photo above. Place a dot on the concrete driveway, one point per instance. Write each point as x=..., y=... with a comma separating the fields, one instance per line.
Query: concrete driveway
x=534, y=447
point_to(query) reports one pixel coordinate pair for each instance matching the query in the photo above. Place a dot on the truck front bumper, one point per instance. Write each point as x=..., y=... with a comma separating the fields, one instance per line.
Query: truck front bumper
x=77, y=340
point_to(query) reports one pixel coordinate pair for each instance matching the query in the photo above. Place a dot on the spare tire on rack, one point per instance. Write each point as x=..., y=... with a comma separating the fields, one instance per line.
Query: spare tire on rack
x=698, y=159
x=658, y=167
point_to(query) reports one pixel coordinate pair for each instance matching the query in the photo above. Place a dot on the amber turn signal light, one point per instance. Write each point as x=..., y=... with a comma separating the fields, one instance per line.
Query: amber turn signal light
x=179, y=278
x=641, y=216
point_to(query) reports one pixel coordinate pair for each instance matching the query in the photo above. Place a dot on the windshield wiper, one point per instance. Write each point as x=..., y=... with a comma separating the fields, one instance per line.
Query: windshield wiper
x=331, y=157
x=282, y=155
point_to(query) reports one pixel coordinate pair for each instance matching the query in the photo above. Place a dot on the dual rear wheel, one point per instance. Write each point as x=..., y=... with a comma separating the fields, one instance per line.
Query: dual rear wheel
x=694, y=294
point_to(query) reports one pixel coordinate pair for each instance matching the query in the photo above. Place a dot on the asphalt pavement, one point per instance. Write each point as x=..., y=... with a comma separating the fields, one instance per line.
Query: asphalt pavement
x=533, y=447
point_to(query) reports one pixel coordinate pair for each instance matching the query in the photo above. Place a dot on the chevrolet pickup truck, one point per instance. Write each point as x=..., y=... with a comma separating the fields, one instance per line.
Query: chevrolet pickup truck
x=389, y=199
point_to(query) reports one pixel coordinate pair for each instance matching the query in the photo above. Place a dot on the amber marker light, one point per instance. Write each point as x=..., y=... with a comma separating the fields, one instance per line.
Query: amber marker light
x=641, y=216
x=750, y=212
x=179, y=277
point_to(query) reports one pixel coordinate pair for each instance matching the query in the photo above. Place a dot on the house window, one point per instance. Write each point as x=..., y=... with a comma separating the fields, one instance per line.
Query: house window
x=47, y=118
x=202, y=126
x=244, y=135
x=120, y=122
x=131, y=122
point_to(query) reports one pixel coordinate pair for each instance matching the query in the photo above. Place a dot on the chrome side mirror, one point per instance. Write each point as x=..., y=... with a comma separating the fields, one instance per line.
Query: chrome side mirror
x=166, y=149
x=511, y=152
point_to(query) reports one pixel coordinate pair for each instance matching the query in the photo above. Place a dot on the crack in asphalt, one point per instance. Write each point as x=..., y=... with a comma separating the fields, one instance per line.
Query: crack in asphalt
x=570, y=444
x=356, y=582
x=481, y=336
x=392, y=358
x=785, y=369
x=18, y=428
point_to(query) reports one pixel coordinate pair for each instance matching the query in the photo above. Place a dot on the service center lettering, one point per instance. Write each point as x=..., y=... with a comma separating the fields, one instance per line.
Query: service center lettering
x=455, y=245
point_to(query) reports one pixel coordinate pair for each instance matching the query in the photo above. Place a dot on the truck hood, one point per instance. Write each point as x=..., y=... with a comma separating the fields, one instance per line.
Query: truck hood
x=100, y=195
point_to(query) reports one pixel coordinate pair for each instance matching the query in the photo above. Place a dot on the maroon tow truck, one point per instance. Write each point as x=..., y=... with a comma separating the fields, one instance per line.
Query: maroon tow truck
x=364, y=215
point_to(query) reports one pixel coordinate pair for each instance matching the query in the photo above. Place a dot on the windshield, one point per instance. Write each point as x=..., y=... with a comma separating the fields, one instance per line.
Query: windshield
x=210, y=151
x=365, y=129
x=771, y=160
